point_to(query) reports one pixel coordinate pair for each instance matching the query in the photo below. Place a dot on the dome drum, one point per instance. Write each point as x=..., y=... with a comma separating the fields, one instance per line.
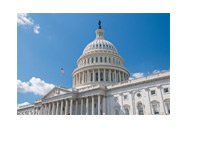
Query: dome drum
x=99, y=64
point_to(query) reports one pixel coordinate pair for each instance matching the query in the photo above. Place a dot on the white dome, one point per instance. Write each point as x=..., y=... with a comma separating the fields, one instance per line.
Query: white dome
x=100, y=44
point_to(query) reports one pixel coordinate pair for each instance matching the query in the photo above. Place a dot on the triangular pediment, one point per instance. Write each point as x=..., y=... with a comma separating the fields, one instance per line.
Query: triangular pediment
x=56, y=91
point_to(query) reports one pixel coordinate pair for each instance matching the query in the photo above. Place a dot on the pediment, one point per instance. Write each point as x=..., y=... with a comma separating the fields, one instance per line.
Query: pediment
x=56, y=91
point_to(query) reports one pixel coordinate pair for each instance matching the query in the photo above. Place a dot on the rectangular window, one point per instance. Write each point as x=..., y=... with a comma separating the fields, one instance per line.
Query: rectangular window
x=166, y=90
x=101, y=76
x=88, y=61
x=96, y=59
x=153, y=92
x=101, y=59
x=97, y=76
x=105, y=60
x=109, y=60
x=92, y=60
x=91, y=76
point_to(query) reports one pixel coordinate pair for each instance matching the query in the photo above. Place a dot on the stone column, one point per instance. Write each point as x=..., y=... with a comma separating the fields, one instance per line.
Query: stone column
x=81, y=106
x=122, y=76
x=92, y=105
x=104, y=75
x=76, y=111
x=53, y=109
x=148, y=102
x=93, y=76
x=49, y=112
x=104, y=105
x=98, y=75
x=115, y=77
x=87, y=105
x=57, y=107
x=66, y=107
x=76, y=79
x=42, y=109
x=79, y=78
x=109, y=76
x=88, y=75
x=83, y=77
x=99, y=106
x=61, y=108
x=162, y=107
x=71, y=106
x=119, y=76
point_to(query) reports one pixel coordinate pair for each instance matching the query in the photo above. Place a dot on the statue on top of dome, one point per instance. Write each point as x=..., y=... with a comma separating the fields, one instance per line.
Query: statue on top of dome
x=99, y=24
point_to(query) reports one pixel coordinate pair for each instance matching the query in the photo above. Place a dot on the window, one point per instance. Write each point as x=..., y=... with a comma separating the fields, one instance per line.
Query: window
x=96, y=76
x=125, y=97
x=109, y=60
x=91, y=76
x=113, y=60
x=85, y=61
x=96, y=45
x=166, y=90
x=126, y=110
x=92, y=60
x=105, y=60
x=101, y=76
x=140, y=109
x=100, y=45
x=153, y=92
x=96, y=59
x=116, y=112
x=103, y=45
x=88, y=61
x=155, y=109
x=116, y=99
x=106, y=76
x=139, y=95
x=101, y=59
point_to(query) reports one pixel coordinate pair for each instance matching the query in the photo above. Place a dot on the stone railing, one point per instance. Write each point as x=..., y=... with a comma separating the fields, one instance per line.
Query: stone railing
x=140, y=79
x=26, y=106
x=89, y=88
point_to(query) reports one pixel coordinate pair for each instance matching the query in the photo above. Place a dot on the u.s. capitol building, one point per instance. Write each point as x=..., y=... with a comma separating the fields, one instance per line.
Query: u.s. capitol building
x=101, y=86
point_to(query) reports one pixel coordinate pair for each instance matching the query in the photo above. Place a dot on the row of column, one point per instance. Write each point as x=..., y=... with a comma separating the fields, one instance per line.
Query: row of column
x=70, y=107
x=97, y=75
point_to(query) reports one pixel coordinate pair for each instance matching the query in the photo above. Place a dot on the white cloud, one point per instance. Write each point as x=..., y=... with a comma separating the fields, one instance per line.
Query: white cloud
x=35, y=85
x=155, y=71
x=23, y=19
x=136, y=75
x=22, y=104
x=36, y=29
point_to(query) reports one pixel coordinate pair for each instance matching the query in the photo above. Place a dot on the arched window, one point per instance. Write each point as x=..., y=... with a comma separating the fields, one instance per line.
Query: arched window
x=140, y=109
x=126, y=109
x=155, y=107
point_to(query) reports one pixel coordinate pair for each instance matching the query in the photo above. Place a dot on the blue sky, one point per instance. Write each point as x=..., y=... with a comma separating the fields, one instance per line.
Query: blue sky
x=47, y=42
